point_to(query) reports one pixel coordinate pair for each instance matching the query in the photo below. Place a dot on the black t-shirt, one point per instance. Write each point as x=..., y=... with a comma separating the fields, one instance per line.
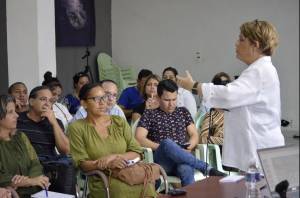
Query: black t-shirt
x=40, y=134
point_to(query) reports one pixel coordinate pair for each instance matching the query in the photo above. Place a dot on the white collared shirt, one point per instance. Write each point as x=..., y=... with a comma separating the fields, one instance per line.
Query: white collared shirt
x=186, y=99
x=62, y=113
x=254, y=118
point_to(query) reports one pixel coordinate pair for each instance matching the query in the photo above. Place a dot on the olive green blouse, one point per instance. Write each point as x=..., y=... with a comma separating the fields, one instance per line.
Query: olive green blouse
x=18, y=157
x=86, y=144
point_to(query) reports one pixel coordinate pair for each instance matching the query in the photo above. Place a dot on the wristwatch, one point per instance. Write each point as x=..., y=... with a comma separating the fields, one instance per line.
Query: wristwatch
x=194, y=89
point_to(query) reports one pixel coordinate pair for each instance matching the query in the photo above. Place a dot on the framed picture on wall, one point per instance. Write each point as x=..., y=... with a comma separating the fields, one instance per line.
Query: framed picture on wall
x=75, y=22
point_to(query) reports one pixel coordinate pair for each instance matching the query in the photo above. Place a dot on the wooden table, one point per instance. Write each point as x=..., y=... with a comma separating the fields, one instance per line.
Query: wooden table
x=212, y=188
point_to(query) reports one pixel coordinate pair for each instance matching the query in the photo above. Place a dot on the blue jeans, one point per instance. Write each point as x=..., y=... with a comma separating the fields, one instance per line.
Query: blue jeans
x=177, y=161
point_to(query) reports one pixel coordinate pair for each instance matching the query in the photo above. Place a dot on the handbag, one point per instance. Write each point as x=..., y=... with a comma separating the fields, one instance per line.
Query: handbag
x=139, y=173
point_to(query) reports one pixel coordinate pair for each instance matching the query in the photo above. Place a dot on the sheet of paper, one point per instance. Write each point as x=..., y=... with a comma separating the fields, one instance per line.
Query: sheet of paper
x=42, y=194
x=231, y=179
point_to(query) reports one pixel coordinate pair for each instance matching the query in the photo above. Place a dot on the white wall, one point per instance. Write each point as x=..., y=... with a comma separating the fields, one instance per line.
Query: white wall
x=30, y=40
x=156, y=33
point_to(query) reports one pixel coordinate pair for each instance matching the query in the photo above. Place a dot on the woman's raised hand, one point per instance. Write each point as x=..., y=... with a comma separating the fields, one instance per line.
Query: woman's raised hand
x=186, y=82
x=152, y=102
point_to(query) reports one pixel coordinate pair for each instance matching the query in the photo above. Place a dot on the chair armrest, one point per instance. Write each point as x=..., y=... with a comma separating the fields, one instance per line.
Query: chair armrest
x=164, y=176
x=100, y=174
x=148, y=155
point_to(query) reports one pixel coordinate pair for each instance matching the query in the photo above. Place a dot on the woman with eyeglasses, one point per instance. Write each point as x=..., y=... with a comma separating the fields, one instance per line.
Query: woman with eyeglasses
x=253, y=100
x=71, y=101
x=60, y=111
x=19, y=165
x=101, y=142
x=111, y=90
x=149, y=92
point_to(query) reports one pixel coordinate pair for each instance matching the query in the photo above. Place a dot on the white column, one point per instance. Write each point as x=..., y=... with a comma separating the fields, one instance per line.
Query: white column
x=30, y=40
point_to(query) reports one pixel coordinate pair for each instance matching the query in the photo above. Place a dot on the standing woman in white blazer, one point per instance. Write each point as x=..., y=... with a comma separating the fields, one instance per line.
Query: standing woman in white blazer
x=253, y=100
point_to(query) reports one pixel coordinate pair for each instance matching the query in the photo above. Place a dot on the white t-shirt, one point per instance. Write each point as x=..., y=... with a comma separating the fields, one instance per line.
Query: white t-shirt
x=186, y=99
x=61, y=112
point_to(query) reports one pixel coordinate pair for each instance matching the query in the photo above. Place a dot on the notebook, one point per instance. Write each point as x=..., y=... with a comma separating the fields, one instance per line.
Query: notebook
x=42, y=194
x=278, y=164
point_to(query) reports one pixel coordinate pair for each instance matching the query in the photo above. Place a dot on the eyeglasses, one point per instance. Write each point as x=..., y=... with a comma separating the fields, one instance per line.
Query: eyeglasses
x=99, y=98
x=111, y=96
x=45, y=99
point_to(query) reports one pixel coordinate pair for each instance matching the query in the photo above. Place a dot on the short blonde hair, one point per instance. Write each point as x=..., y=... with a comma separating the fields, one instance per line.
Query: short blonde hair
x=263, y=32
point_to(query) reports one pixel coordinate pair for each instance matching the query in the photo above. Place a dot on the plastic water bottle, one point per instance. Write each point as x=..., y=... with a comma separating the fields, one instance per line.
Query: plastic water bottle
x=252, y=177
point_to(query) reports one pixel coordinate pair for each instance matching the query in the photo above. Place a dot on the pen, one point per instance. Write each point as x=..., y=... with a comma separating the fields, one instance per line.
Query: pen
x=46, y=191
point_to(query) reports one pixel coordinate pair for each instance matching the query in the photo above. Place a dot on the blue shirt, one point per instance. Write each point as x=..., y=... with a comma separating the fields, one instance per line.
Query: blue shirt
x=72, y=103
x=130, y=98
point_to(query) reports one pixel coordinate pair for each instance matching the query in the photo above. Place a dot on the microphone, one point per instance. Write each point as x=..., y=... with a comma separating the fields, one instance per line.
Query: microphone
x=210, y=131
x=208, y=137
x=87, y=54
x=281, y=188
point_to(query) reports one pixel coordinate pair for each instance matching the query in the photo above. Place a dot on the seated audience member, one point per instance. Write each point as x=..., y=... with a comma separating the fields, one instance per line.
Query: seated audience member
x=19, y=91
x=216, y=116
x=60, y=111
x=101, y=141
x=45, y=133
x=19, y=165
x=166, y=128
x=184, y=98
x=71, y=101
x=131, y=97
x=111, y=90
x=149, y=92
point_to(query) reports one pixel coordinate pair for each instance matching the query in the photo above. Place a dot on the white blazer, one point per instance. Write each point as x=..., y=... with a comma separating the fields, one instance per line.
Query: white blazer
x=254, y=118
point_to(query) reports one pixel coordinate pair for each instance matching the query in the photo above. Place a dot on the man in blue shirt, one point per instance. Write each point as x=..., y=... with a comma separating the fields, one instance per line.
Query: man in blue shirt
x=131, y=97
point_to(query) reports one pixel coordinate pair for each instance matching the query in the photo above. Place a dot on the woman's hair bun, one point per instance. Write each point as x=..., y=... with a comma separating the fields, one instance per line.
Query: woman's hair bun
x=48, y=76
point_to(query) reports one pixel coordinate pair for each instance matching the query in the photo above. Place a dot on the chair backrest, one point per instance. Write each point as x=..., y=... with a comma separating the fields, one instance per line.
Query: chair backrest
x=123, y=76
x=106, y=69
x=128, y=77
x=134, y=125
x=199, y=119
x=104, y=60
